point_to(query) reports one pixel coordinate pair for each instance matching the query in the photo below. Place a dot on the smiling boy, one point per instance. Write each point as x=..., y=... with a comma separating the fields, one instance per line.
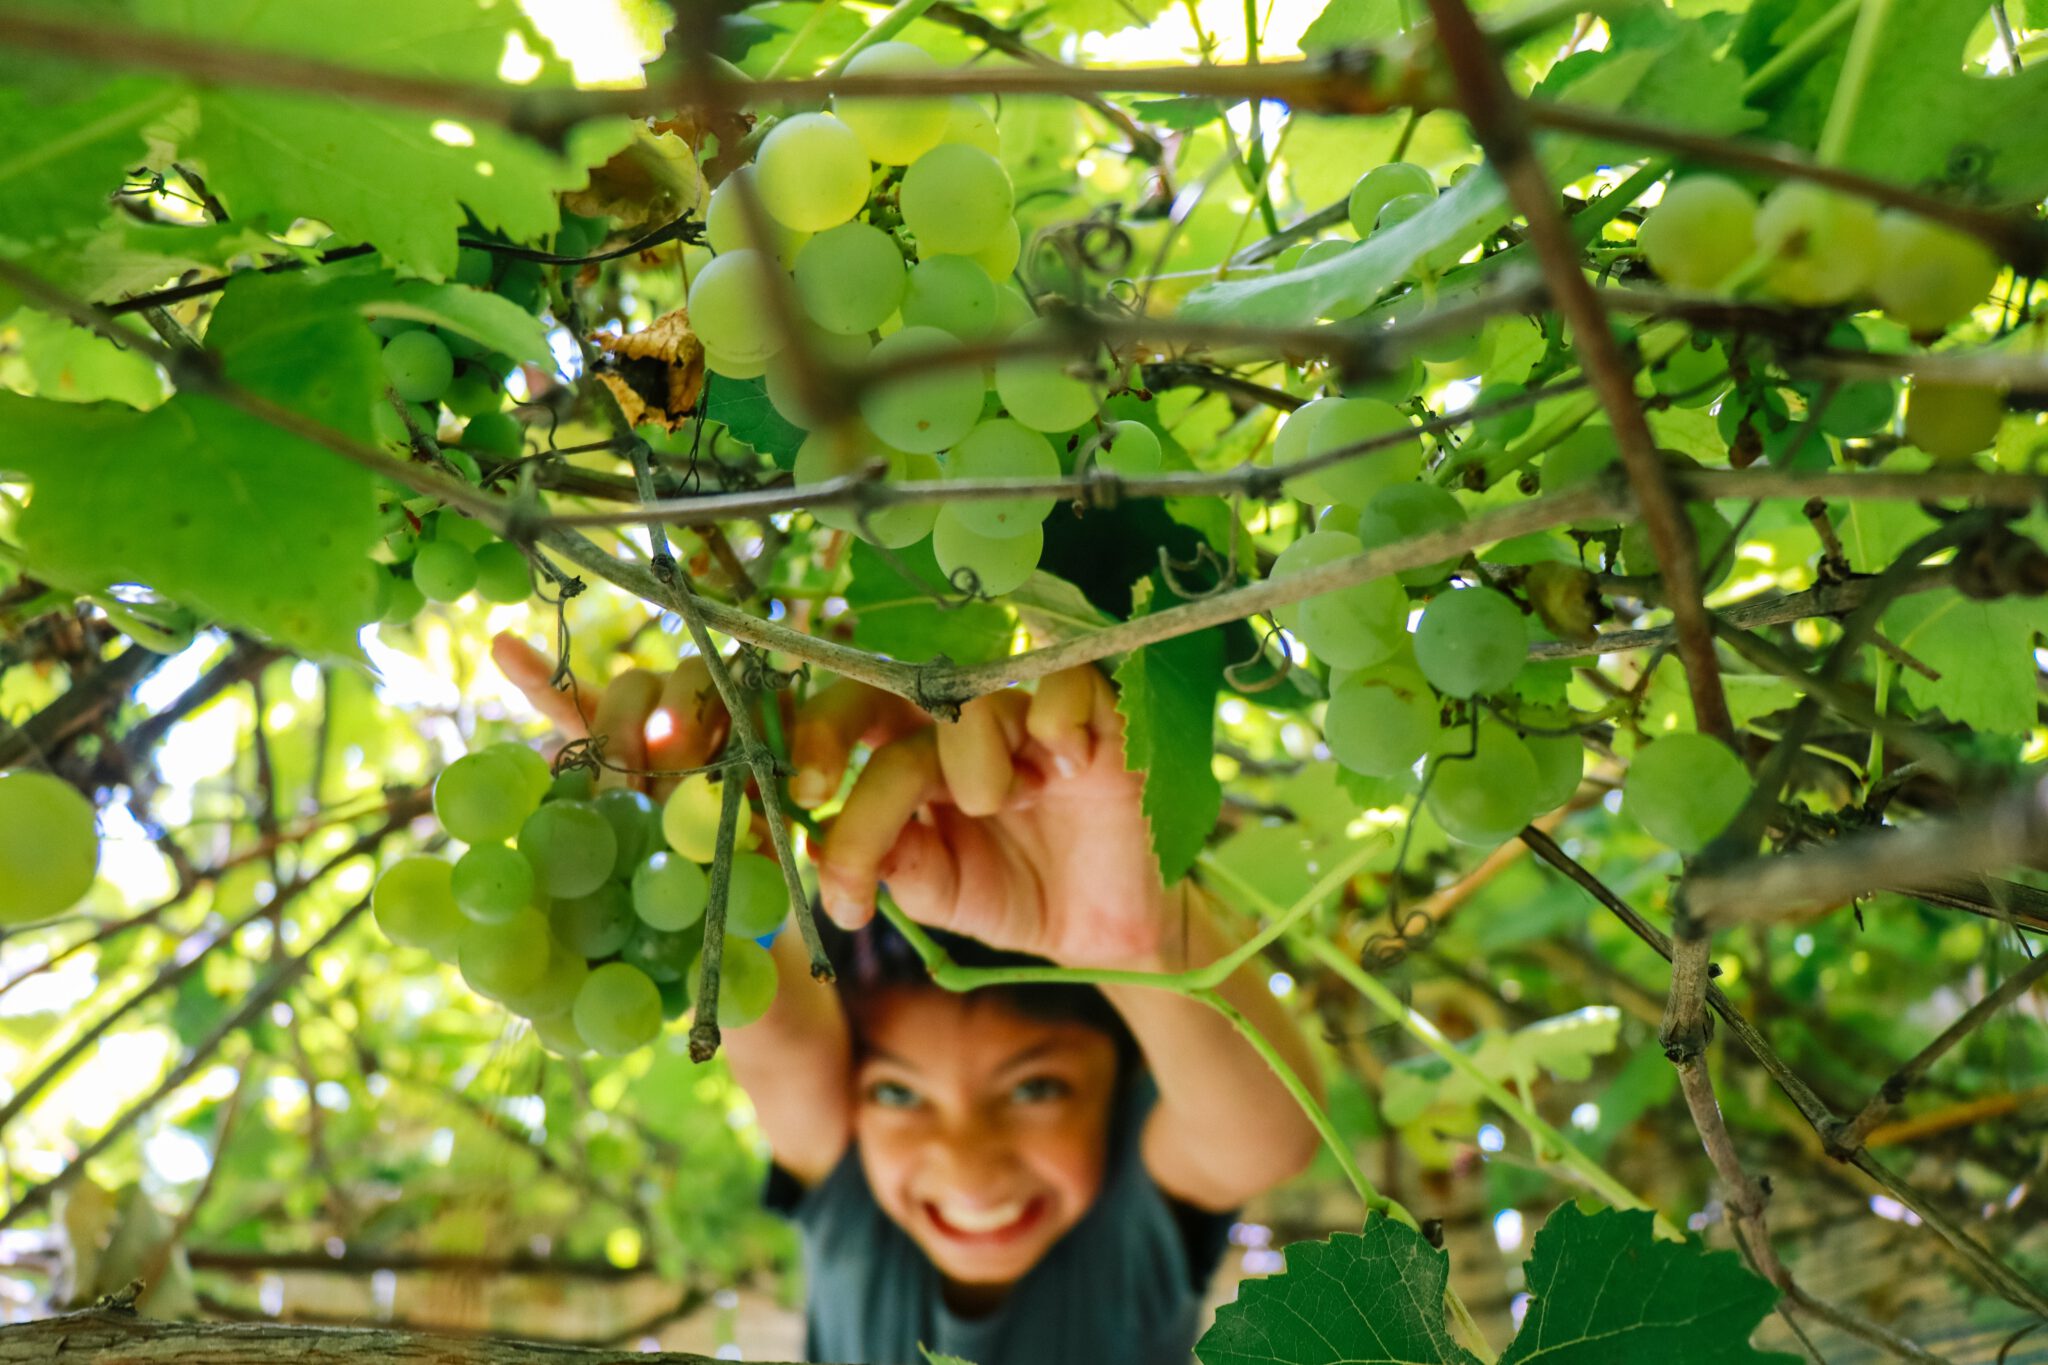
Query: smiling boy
x=1023, y=1174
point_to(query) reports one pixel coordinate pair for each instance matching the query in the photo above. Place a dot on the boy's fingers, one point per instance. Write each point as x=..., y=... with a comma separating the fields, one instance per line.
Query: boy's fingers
x=529, y=670
x=829, y=725
x=975, y=751
x=901, y=777
x=1070, y=711
x=923, y=873
x=621, y=720
x=689, y=723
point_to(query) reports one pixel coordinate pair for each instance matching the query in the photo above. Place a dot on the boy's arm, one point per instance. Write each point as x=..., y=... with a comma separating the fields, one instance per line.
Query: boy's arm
x=1224, y=1129
x=795, y=1063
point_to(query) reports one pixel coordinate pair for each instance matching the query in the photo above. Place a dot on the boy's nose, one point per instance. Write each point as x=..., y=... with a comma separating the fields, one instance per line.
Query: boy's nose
x=974, y=1166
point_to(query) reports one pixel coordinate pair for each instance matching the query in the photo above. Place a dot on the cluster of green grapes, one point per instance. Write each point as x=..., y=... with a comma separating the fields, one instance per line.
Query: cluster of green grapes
x=893, y=231
x=1818, y=248
x=582, y=911
x=445, y=558
x=434, y=370
x=49, y=847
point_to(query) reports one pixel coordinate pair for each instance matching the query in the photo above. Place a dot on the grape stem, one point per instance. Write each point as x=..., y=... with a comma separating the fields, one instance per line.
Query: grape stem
x=1854, y=80
x=704, y=1036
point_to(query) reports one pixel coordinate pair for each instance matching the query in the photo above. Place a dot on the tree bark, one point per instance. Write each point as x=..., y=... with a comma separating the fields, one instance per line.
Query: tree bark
x=117, y=1336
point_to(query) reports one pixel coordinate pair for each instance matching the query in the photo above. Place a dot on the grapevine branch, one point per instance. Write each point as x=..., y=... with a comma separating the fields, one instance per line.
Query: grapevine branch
x=2001, y=1277
x=704, y=1036
x=2011, y=829
x=1495, y=115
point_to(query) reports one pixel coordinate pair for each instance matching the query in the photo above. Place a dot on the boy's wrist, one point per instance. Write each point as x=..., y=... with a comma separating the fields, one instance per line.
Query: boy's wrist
x=1171, y=939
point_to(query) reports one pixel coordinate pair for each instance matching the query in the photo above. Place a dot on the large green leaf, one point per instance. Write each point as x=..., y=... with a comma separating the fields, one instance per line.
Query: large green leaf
x=60, y=161
x=257, y=529
x=1606, y=1290
x=743, y=406
x=1167, y=694
x=1375, y=1298
x=400, y=178
x=1985, y=654
x=1922, y=119
x=900, y=619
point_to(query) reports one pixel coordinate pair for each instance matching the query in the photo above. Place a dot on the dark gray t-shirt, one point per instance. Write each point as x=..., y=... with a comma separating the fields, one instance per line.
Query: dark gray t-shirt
x=1123, y=1286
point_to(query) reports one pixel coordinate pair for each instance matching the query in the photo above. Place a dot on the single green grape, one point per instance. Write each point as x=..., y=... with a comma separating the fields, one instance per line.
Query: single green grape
x=1406, y=510
x=481, y=799
x=596, y=924
x=1379, y=187
x=757, y=898
x=1380, y=722
x=1700, y=233
x=1685, y=789
x=950, y=293
x=635, y=822
x=557, y=1033
x=1351, y=627
x=1392, y=451
x=1037, y=389
x=665, y=956
x=1485, y=798
x=1929, y=276
x=1002, y=449
x=1471, y=642
x=617, y=1010
x=1823, y=245
x=850, y=278
x=1130, y=449
x=418, y=366
x=998, y=564
x=571, y=846
x=443, y=571
x=847, y=450
x=531, y=767
x=414, y=904
x=812, y=172
x=955, y=199
x=560, y=982
x=669, y=892
x=504, y=959
x=746, y=982
x=726, y=309
x=492, y=883
x=571, y=784
x=1953, y=421
x=787, y=392
x=927, y=410
x=998, y=259
x=389, y=428
x=893, y=131
x=496, y=434
x=1711, y=533
x=689, y=818
x=1400, y=209
x=407, y=601
x=502, y=574
x=49, y=846
x=967, y=122
x=1560, y=767
x=725, y=221
x=473, y=393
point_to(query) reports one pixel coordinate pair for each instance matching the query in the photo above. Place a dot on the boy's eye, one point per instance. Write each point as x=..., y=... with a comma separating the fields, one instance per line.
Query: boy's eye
x=892, y=1095
x=1039, y=1088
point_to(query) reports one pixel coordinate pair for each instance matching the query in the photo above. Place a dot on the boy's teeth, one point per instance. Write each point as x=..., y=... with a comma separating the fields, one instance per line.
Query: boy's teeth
x=982, y=1220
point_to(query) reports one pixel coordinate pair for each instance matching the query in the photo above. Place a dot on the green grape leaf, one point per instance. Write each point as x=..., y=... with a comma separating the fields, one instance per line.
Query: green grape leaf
x=126, y=257
x=1565, y=1047
x=400, y=178
x=1373, y=1298
x=798, y=38
x=1606, y=1289
x=1923, y=119
x=1054, y=608
x=1984, y=652
x=743, y=406
x=1346, y=23
x=1167, y=696
x=55, y=358
x=209, y=507
x=61, y=161
x=900, y=619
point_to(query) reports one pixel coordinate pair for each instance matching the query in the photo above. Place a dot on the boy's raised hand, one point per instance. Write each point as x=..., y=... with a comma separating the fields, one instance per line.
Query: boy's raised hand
x=1017, y=824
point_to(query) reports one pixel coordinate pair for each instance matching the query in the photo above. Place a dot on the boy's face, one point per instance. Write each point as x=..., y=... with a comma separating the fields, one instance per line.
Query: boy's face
x=983, y=1132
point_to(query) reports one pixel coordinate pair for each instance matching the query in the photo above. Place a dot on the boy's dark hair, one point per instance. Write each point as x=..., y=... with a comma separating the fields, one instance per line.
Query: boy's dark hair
x=876, y=957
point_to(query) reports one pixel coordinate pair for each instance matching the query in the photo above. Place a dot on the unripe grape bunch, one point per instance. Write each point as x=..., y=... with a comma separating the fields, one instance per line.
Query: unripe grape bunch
x=892, y=231
x=579, y=910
